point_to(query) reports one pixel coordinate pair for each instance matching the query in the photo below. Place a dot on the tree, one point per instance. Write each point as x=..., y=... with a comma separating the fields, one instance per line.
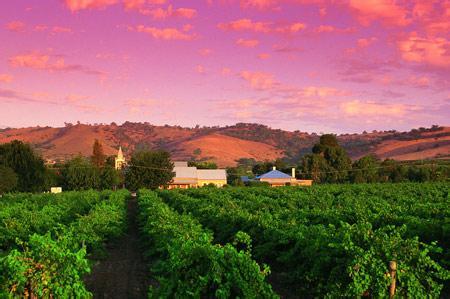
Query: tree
x=109, y=178
x=337, y=159
x=203, y=164
x=98, y=156
x=314, y=167
x=365, y=170
x=8, y=179
x=79, y=174
x=392, y=171
x=28, y=166
x=149, y=169
x=267, y=166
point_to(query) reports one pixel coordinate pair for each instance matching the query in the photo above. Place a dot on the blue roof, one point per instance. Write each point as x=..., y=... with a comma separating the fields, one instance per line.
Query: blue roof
x=274, y=174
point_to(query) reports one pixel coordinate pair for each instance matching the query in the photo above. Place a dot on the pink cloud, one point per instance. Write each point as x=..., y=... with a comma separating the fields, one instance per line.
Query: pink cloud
x=39, y=61
x=15, y=26
x=76, y=5
x=161, y=13
x=226, y=71
x=6, y=78
x=247, y=43
x=330, y=28
x=259, y=4
x=260, y=27
x=137, y=105
x=386, y=11
x=264, y=56
x=357, y=108
x=322, y=92
x=164, y=33
x=40, y=28
x=60, y=29
x=419, y=82
x=259, y=80
x=428, y=51
x=365, y=42
x=134, y=4
x=200, y=69
x=205, y=52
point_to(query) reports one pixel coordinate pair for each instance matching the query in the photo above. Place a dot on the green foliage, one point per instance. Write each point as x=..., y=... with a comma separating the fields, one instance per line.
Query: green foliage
x=98, y=156
x=365, y=170
x=189, y=265
x=28, y=166
x=335, y=240
x=149, y=170
x=8, y=179
x=334, y=165
x=45, y=268
x=109, y=177
x=267, y=166
x=48, y=258
x=80, y=174
x=315, y=167
x=203, y=164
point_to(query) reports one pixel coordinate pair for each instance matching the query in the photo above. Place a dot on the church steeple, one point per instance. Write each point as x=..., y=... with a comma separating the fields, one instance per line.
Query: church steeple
x=120, y=159
x=120, y=154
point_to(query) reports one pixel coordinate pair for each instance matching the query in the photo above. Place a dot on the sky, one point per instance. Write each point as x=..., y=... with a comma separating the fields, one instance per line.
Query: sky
x=337, y=66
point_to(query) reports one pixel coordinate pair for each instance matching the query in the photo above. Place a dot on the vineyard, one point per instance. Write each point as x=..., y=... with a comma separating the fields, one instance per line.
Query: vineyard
x=289, y=242
x=335, y=240
x=46, y=240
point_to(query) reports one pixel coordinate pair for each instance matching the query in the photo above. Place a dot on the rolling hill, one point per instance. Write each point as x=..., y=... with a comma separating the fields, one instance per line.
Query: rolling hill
x=225, y=145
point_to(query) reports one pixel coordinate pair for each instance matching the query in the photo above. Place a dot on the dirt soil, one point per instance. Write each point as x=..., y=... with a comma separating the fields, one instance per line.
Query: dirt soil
x=124, y=273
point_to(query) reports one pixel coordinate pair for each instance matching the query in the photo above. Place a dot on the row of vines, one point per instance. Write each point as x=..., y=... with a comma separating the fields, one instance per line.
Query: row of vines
x=46, y=240
x=335, y=240
x=189, y=264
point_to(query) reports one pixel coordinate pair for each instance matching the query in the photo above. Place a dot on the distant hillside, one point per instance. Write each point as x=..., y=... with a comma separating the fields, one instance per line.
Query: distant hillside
x=225, y=145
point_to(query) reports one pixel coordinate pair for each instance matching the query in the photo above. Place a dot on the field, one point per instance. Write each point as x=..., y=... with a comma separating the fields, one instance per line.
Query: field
x=324, y=241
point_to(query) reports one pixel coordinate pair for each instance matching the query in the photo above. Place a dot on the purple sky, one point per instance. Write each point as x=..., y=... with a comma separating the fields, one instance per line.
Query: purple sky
x=309, y=65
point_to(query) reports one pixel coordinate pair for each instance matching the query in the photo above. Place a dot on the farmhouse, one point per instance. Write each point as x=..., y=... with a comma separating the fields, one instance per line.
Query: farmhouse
x=276, y=178
x=191, y=177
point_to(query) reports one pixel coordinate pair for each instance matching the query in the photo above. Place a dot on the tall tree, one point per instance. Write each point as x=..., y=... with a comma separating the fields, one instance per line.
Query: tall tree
x=8, y=179
x=26, y=163
x=109, y=178
x=338, y=163
x=98, y=156
x=149, y=169
x=365, y=170
x=79, y=174
x=314, y=167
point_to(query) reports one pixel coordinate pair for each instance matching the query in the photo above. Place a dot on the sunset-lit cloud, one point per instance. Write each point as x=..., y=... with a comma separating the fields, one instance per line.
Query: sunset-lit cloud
x=430, y=51
x=259, y=4
x=365, y=42
x=75, y=5
x=386, y=11
x=164, y=33
x=205, y=52
x=332, y=29
x=261, y=27
x=16, y=26
x=5, y=78
x=38, y=61
x=264, y=56
x=259, y=80
x=247, y=43
x=164, y=13
x=369, y=108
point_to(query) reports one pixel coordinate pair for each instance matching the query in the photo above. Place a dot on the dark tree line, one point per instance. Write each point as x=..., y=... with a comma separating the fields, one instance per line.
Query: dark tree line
x=330, y=163
x=23, y=170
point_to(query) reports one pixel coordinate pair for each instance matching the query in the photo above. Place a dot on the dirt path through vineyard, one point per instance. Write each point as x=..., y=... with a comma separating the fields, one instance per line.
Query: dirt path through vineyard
x=124, y=273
